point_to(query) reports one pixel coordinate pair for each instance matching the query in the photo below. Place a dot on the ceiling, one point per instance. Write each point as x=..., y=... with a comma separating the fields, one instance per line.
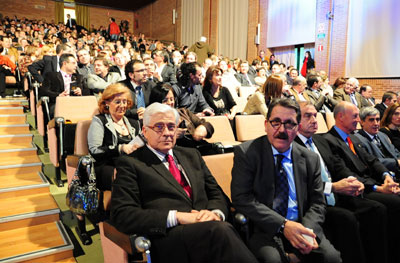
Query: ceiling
x=132, y=5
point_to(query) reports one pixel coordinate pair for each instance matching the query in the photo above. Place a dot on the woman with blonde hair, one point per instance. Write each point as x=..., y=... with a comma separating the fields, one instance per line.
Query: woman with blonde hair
x=259, y=101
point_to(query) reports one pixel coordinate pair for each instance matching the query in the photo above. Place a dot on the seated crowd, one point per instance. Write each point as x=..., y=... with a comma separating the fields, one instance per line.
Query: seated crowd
x=324, y=198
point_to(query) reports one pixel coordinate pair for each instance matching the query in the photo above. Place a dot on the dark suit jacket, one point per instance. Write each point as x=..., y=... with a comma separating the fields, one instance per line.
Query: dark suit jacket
x=47, y=64
x=145, y=191
x=366, y=166
x=381, y=108
x=146, y=89
x=168, y=74
x=53, y=85
x=321, y=100
x=389, y=161
x=73, y=23
x=243, y=80
x=253, y=186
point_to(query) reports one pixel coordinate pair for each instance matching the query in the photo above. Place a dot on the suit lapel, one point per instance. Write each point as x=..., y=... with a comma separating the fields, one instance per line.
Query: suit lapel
x=151, y=159
x=186, y=166
x=61, y=80
x=385, y=144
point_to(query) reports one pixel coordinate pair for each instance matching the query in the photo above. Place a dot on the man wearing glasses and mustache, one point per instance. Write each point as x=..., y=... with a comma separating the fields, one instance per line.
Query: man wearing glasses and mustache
x=168, y=194
x=277, y=185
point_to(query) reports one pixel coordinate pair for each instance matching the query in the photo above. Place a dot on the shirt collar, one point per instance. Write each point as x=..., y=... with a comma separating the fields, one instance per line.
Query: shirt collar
x=342, y=134
x=65, y=75
x=287, y=154
x=160, y=155
x=370, y=135
x=303, y=138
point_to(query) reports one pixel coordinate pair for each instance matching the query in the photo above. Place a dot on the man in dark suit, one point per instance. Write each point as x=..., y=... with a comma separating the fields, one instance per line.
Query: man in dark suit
x=168, y=194
x=70, y=22
x=63, y=83
x=366, y=92
x=165, y=72
x=277, y=184
x=243, y=77
x=378, y=181
x=388, y=99
x=377, y=143
x=322, y=101
x=354, y=225
x=140, y=88
x=48, y=63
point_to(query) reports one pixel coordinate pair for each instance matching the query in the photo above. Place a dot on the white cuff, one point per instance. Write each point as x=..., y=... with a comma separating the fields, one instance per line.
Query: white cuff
x=171, y=219
x=219, y=213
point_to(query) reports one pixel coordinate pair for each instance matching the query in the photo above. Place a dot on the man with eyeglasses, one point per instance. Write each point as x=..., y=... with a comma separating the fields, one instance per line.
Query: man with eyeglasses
x=350, y=94
x=168, y=194
x=277, y=185
x=140, y=87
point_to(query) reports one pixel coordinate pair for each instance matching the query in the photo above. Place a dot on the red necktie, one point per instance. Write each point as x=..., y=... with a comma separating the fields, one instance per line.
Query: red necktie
x=178, y=176
x=351, y=145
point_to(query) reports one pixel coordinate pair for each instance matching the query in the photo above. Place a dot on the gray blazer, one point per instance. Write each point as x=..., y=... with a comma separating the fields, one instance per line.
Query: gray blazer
x=103, y=139
x=390, y=163
x=97, y=84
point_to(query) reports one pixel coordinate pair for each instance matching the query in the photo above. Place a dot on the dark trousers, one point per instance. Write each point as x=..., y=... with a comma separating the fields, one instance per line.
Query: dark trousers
x=3, y=73
x=357, y=228
x=206, y=242
x=392, y=204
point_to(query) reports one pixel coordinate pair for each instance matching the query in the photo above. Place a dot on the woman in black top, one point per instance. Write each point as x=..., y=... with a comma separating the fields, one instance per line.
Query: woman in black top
x=219, y=98
x=390, y=124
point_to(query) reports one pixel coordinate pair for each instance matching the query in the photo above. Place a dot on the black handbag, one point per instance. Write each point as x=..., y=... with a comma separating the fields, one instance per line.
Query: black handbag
x=83, y=196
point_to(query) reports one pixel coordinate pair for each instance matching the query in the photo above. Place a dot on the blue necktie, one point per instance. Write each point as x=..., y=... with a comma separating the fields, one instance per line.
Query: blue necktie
x=330, y=199
x=353, y=99
x=280, y=203
x=139, y=98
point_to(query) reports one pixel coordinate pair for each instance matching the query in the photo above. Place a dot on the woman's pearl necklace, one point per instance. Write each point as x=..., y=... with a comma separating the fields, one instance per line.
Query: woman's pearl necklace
x=123, y=128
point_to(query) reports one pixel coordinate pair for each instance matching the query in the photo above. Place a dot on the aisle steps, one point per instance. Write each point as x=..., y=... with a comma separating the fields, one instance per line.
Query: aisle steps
x=30, y=227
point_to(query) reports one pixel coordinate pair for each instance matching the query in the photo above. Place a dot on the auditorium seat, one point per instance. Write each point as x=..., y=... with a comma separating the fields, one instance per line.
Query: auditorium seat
x=223, y=132
x=220, y=166
x=249, y=127
x=330, y=120
x=241, y=103
x=322, y=128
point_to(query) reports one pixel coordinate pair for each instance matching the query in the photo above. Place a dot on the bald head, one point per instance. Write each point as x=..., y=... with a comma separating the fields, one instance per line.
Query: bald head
x=346, y=116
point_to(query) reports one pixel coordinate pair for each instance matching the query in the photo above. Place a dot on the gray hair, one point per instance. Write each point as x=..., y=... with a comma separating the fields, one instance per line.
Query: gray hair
x=155, y=108
x=368, y=111
x=354, y=81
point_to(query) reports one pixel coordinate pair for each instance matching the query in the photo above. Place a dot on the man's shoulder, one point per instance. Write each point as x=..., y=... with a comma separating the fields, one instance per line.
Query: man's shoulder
x=256, y=145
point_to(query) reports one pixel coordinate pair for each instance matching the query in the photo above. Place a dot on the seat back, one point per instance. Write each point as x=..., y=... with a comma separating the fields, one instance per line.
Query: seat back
x=222, y=129
x=241, y=103
x=81, y=137
x=76, y=108
x=322, y=128
x=330, y=120
x=249, y=127
x=246, y=91
x=220, y=166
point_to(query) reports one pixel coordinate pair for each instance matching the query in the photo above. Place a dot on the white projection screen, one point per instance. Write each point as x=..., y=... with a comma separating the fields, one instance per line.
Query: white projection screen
x=373, y=39
x=291, y=22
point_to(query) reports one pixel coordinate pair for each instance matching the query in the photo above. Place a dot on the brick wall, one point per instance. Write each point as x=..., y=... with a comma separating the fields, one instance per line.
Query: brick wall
x=32, y=9
x=100, y=16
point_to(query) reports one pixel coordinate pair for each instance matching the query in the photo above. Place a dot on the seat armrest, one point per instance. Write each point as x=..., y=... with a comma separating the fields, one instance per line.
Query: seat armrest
x=130, y=243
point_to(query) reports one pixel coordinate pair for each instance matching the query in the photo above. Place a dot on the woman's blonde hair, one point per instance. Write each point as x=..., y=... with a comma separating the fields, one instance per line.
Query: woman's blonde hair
x=110, y=92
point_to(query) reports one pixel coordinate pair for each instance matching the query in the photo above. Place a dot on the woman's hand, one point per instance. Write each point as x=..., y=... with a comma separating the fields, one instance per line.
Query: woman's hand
x=129, y=148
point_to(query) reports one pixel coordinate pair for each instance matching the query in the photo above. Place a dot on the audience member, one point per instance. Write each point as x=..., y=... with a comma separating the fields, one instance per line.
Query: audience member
x=388, y=99
x=308, y=63
x=191, y=130
x=202, y=49
x=243, y=77
x=84, y=66
x=168, y=194
x=285, y=204
x=102, y=78
x=189, y=90
x=322, y=101
x=366, y=92
x=136, y=82
x=378, y=181
x=390, y=124
x=119, y=67
x=165, y=72
x=348, y=93
x=375, y=142
x=218, y=97
x=65, y=82
x=298, y=89
x=228, y=79
x=7, y=68
x=259, y=101
x=113, y=30
x=354, y=225
x=261, y=76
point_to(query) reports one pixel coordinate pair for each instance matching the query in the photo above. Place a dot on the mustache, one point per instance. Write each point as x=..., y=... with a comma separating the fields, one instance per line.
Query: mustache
x=282, y=135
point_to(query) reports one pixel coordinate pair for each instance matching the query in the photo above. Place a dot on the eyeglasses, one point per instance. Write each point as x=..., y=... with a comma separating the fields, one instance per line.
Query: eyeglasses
x=288, y=125
x=159, y=127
